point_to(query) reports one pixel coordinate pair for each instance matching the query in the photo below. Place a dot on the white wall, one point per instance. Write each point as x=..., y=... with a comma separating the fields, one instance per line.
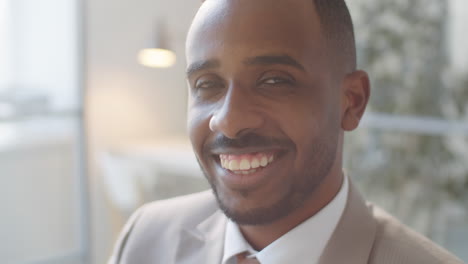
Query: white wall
x=124, y=100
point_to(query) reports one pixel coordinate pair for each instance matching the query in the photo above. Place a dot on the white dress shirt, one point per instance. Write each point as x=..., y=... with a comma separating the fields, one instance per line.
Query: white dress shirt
x=303, y=244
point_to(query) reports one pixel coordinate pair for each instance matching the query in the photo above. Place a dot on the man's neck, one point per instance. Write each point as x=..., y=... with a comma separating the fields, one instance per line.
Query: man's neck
x=260, y=236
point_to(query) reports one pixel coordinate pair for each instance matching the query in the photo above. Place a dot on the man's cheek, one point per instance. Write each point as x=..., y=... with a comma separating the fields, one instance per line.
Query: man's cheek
x=195, y=121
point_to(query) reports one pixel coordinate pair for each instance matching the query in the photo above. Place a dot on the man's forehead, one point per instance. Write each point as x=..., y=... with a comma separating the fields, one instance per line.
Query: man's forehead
x=252, y=26
x=255, y=14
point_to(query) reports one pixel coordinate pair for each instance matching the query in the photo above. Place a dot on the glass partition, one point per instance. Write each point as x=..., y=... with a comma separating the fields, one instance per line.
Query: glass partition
x=42, y=186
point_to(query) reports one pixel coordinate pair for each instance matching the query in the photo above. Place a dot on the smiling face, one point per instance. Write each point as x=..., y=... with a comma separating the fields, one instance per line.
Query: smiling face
x=265, y=108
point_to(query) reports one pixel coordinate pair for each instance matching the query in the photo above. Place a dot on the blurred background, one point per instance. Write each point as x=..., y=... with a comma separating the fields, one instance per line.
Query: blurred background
x=93, y=110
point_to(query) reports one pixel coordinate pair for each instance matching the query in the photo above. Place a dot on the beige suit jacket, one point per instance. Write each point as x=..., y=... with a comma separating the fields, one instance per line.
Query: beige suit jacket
x=190, y=229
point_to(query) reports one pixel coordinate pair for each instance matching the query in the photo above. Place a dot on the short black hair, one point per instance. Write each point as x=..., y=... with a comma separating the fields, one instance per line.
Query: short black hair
x=337, y=27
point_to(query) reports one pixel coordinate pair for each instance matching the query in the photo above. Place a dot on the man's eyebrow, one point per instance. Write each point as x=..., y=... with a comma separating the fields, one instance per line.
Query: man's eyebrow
x=202, y=65
x=274, y=59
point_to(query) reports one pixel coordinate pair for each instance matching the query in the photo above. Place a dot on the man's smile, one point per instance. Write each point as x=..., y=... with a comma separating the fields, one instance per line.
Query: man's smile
x=250, y=168
x=246, y=163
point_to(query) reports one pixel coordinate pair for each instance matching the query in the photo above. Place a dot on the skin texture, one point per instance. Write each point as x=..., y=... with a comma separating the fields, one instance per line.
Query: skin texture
x=261, y=79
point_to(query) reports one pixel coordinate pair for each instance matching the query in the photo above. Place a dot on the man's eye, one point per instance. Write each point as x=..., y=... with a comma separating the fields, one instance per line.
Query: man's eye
x=207, y=84
x=276, y=80
x=276, y=83
x=207, y=89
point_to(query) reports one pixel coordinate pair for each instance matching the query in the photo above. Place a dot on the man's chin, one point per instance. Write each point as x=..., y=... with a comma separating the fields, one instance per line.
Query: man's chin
x=237, y=212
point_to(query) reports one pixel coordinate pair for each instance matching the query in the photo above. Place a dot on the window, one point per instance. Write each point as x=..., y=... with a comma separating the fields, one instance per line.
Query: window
x=410, y=154
x=42, y=187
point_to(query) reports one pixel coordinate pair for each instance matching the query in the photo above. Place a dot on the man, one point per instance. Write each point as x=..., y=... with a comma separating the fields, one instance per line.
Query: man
x=273, y=86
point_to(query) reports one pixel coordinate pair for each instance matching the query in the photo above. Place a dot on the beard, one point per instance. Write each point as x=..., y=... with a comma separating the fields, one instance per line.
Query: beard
x=320, y=159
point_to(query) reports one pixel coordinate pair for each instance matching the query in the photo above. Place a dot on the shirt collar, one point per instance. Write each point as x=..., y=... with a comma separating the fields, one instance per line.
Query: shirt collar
x=303, y=244
x=234, y=242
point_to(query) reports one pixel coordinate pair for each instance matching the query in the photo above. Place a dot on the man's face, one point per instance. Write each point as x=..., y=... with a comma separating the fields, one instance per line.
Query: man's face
x=264, y=108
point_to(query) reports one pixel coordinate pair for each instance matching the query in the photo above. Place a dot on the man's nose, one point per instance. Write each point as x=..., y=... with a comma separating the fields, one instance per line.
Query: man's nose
x=237, y=114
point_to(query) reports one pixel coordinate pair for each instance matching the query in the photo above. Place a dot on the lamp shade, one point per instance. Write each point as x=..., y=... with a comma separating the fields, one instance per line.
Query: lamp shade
x=157, y=54
x=157, y=58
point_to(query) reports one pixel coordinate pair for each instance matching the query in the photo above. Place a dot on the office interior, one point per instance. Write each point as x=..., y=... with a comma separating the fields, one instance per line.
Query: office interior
x=92, y=127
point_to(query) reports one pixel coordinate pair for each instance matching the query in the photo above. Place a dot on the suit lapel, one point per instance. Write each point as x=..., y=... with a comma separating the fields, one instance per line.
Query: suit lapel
x=204, y=243
x=350, y=243
x=353, y=237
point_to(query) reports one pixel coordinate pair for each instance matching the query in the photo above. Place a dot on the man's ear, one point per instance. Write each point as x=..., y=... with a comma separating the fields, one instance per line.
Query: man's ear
x=356, y=92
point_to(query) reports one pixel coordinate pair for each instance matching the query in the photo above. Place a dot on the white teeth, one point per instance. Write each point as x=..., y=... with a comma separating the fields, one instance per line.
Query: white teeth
x=255, y=163
x=233, y=165
x=244, y=164
x=245, y=172
x=224, y=163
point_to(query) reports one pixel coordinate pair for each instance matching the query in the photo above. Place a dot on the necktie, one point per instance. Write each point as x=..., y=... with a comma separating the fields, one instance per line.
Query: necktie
x=242, y=259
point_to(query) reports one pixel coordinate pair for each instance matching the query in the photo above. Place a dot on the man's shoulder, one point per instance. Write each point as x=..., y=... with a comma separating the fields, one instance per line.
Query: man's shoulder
x=152, y=232
x=396, y=242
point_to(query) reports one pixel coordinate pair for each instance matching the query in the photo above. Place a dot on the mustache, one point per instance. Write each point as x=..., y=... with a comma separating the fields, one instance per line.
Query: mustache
x=248, y=140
